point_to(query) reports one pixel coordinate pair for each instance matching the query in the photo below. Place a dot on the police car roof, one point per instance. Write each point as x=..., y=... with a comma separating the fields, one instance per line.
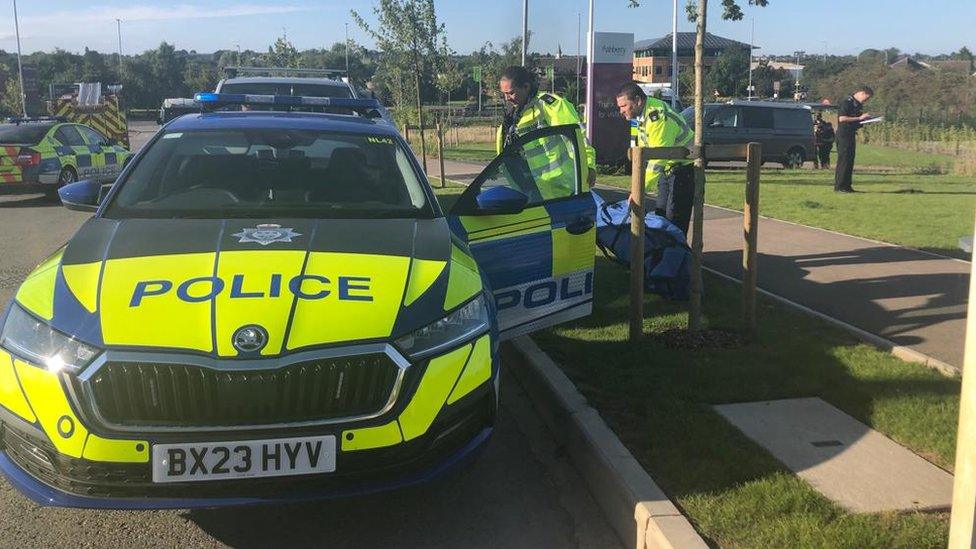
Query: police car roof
x=282, y=121
x=281, y=80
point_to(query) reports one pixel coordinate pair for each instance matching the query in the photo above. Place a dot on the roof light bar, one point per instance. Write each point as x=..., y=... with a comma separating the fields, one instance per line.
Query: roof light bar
x=211, y=99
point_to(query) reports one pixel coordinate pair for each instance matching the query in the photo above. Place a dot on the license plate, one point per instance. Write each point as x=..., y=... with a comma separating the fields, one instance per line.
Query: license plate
x=188, y=462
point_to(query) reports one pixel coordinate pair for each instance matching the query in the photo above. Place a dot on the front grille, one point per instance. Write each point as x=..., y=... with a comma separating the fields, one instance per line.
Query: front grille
x=355, y=471
x=146, y=394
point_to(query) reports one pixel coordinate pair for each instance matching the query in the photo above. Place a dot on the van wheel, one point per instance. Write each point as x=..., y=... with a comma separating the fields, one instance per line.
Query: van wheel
x=794, y=159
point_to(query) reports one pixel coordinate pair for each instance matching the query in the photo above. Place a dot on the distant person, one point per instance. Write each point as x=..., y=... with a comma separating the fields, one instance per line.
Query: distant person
x=850, y=116
x=529, y=109
x=823, y=137
x=657, y=125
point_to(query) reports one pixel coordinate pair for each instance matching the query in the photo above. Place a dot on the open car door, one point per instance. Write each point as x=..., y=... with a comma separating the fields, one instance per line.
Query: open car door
x=529, y=223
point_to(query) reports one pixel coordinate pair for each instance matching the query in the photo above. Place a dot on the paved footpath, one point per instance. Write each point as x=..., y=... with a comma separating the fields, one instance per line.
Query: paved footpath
x=912, y=298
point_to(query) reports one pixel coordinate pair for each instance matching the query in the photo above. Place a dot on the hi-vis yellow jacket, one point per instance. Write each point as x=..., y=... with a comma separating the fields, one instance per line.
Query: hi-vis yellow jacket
x=661, y=126
x=542, y=111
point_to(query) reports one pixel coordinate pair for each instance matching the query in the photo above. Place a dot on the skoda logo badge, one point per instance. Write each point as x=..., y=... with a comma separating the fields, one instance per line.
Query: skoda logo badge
x=250, y=339
x=266, y=233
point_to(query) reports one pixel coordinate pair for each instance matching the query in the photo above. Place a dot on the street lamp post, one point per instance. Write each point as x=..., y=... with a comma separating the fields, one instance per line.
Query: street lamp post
x=347, y=50
x=20, y=67
x=525, y=29
x=752, y=45
x=579, y=57
x=674, y=55
x=798, y=55
x=118, y=23
x=590, y=95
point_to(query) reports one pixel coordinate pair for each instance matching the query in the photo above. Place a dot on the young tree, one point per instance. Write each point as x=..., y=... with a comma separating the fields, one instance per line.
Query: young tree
x=698, y=12
x=412, y=41
x=450, y=77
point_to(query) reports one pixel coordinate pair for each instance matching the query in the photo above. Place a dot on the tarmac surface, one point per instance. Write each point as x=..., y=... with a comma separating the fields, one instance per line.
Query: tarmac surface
x=521, y=492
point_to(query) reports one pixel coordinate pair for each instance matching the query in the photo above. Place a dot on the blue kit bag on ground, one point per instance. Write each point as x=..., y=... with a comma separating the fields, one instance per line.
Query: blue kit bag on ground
x=667, y=256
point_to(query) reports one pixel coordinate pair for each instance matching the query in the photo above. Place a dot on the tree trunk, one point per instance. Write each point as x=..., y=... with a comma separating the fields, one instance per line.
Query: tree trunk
x=420, y=109
x=695, y=305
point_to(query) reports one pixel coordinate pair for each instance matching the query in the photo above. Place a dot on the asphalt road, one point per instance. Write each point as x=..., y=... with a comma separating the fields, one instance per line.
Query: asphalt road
x=521, y=492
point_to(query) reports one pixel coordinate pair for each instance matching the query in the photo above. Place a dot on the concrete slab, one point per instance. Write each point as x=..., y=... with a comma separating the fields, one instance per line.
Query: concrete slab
x=848, y=462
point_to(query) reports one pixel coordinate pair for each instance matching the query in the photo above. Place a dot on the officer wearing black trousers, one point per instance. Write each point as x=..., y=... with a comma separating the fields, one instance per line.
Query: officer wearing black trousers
x=850, y=116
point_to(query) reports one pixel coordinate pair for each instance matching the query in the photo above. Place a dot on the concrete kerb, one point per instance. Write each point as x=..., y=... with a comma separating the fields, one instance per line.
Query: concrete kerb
x=635, y=506
x=905, y=353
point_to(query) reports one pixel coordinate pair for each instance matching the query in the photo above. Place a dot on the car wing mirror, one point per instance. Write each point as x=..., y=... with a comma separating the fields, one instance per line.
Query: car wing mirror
x=81, y=196
x=500, y=200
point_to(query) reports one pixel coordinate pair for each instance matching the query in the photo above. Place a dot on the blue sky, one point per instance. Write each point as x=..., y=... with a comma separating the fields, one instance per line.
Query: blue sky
x=839, y=26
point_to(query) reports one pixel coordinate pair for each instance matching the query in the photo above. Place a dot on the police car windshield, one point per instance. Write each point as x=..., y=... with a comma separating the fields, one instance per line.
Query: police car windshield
x=240, y=173
x=23, y=134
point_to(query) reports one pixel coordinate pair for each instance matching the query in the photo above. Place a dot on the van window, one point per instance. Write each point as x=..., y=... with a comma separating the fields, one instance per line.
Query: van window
x=758, y=117
x=726, y=118
x=792, y=119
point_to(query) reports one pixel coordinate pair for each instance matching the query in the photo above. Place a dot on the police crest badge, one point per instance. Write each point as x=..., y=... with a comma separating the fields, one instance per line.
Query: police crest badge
x=266, y=233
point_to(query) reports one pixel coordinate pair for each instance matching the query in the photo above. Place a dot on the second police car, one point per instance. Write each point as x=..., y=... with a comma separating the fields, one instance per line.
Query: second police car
x=272, y=306
x=49, y=152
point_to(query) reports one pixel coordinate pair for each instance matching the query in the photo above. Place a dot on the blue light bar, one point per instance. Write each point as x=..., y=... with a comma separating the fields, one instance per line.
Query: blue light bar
x=212, y=99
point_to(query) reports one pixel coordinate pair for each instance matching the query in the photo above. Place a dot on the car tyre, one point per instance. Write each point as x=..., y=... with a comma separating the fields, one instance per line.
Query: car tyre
x=67, y=176
x=794, y=159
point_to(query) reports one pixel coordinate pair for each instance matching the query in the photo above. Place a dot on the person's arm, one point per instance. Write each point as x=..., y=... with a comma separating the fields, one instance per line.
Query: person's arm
x=848, y=119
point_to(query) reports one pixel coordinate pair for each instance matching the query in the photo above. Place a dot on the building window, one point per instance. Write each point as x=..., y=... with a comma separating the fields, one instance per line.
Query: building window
x=658, y=70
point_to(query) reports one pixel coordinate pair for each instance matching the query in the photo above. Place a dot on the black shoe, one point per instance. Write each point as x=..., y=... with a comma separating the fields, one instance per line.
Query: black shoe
x=845, y=190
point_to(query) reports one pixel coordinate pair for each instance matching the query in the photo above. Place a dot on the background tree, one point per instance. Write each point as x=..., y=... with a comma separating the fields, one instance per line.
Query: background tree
x=282, y=54
x=412, y=40
x=729, y=74
x=450, y=77
x=964, y=55
x=764, y=78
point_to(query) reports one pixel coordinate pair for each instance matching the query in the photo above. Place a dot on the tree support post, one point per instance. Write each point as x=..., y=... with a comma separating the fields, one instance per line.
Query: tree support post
x=440, y=152
x=750, y=231
x=638, y=165
x=961, y=525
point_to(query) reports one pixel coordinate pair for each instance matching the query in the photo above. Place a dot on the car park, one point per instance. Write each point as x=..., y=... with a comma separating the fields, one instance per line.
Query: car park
x=784, y=129
x=47, y=153
x=272, y=306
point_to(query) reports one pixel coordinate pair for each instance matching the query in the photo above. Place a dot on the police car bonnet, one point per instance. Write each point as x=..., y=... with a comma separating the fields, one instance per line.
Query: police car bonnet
x=124, y=281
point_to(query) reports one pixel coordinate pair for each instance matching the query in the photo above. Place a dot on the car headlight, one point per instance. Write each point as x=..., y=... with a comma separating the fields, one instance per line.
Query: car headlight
x=463, y=323
x=42, y=345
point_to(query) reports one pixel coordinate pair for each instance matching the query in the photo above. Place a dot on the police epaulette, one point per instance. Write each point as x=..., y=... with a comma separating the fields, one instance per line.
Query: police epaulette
x=549, y=99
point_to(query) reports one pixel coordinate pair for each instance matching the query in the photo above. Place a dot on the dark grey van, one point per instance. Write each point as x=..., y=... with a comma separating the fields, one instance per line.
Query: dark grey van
x=784, y=129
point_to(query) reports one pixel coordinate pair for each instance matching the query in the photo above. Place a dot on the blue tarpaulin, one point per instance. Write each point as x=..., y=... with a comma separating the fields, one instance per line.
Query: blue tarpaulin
x=667, y=256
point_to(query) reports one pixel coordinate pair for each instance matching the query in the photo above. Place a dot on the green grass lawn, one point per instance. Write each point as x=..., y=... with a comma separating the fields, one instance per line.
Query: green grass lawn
x=470, y=152
x=929, y=212
x=658, y=400
x=890, y=157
